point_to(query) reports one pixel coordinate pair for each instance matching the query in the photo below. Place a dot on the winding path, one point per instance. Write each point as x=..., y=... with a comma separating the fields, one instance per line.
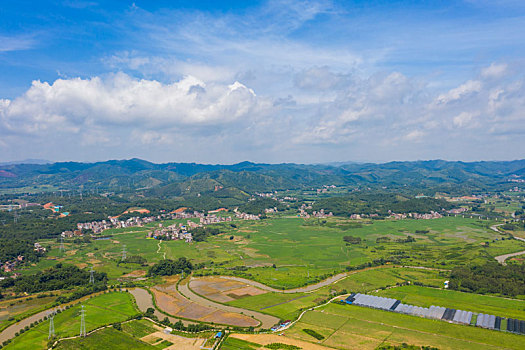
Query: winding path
x=267, y=321
x=501, y=258
x=306, y=289
x=158, y=250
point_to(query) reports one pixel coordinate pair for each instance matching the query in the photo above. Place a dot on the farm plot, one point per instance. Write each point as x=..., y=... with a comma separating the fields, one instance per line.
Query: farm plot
x=351, y=327
x=169, y=300
x=223, y=290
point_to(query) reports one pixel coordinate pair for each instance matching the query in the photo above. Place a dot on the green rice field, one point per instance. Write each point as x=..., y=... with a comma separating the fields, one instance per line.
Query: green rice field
x=354, y=327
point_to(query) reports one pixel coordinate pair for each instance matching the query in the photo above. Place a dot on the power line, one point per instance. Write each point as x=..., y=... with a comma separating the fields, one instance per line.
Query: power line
x=82, y=322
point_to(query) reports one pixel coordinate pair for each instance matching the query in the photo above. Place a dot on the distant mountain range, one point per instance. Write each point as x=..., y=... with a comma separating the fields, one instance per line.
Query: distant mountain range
x=183, y=179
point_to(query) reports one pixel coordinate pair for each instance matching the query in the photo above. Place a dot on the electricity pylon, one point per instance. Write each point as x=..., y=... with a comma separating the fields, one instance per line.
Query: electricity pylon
x=51, y=325
x=82, y=322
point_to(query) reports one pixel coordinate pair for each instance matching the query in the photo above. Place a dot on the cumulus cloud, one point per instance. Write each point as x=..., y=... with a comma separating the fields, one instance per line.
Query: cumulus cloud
x=120, y=100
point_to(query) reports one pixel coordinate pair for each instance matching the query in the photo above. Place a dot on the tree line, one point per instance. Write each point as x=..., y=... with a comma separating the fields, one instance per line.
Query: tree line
x=489, y=278
x=58, y=277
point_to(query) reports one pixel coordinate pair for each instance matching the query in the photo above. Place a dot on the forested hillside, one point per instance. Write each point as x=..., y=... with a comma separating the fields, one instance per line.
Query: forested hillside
x=179, y=179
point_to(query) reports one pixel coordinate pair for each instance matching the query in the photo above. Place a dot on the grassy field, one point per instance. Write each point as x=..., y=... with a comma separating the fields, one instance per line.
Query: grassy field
x=353, y=327
x=303, y=250
x=423, y=296
x=101, y=310
x=504, y=247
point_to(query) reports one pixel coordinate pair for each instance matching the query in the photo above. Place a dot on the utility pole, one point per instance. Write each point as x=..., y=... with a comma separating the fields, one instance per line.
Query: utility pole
x=82, y=322
x=91, y=276
x=51, y=325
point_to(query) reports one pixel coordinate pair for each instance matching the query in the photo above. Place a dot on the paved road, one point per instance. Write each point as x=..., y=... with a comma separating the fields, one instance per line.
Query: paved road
x=267, y=321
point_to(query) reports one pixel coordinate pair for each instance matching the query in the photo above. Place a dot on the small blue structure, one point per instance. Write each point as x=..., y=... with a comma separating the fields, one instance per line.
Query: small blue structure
x=350, y=299
x=218, y=335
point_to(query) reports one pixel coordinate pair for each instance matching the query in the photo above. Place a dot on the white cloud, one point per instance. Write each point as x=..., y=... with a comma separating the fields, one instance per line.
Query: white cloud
x=120, y=100
x=468, y=88
x=494, y=71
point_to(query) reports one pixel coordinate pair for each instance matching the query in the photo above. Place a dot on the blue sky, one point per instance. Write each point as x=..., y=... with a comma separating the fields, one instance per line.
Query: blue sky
x=268, y=81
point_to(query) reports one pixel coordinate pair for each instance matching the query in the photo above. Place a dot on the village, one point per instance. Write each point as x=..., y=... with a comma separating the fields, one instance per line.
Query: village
x=177, y=231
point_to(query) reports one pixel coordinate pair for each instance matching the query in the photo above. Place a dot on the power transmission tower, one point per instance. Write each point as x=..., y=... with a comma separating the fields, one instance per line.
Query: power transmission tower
x=124, y=253
x=91, y=277
x=82, y=322
x=51, y=325
x=61, y=244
